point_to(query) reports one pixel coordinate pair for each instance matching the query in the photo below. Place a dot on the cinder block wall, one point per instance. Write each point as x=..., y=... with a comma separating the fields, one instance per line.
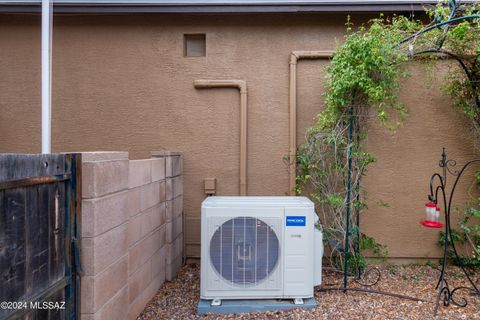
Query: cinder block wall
x=174, y=210
x=132, y=238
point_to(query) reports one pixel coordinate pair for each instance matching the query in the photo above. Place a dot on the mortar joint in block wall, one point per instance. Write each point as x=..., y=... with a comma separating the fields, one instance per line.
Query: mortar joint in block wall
x=143, y=201
x=173, y=162
x=174, y=196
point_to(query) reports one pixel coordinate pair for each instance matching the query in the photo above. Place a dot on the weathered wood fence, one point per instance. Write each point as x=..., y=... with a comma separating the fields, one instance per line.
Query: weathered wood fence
x=39, y=226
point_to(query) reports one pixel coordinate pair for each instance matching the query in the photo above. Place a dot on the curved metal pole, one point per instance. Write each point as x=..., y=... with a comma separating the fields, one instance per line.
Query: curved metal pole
x=444, y=290
x=448, y=53
x=449, y=21
x=452, y=192
x=454, y=6
x=432, y=179
x=440, y=187
x=445, y=247
x=462, y=64
x=442, y=180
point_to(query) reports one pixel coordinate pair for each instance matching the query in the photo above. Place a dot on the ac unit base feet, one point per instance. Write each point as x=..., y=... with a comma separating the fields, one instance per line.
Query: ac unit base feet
x=216, y=302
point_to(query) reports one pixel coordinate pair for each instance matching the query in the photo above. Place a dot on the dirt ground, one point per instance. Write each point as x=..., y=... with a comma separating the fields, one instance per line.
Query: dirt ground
x=178, y=299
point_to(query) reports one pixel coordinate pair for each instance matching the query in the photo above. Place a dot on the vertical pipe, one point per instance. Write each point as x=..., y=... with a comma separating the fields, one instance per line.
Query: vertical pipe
x=242, y=87
x=292, y=154
x=46, y=76
x=349, y=189
x=243, y=141
x=293, y=124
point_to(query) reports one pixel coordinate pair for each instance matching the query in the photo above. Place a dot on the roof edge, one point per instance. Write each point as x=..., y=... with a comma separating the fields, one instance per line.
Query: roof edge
x=214, y=8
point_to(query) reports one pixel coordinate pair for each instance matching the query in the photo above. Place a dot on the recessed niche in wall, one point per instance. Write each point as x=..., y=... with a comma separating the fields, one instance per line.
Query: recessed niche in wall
x=194, y=45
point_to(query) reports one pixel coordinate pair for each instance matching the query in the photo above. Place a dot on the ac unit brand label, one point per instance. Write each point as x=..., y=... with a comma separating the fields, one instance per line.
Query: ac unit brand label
x=296, y=221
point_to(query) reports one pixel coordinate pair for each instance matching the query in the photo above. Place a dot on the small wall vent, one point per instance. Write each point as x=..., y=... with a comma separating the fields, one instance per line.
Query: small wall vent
x=194, y=45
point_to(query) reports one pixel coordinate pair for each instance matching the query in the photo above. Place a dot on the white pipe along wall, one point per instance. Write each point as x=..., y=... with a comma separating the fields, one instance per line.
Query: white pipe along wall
x=47, y=20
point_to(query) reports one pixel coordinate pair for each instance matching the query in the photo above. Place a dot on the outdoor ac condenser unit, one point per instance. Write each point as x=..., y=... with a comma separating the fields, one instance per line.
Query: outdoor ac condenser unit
x=259, y=248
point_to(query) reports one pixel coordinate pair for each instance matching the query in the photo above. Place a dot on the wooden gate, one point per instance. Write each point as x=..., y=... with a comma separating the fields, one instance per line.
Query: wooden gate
x=39, y=231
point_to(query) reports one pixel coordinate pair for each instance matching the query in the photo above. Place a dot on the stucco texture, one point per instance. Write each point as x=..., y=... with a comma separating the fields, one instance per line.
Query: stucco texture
x=122, y=83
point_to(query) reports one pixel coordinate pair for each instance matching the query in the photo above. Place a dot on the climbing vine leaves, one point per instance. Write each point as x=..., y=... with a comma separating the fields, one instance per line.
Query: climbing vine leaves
x=362, y=81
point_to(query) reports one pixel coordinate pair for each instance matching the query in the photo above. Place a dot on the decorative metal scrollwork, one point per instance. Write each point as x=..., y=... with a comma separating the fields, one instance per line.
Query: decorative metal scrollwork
x=449, y=165
x=439, y=197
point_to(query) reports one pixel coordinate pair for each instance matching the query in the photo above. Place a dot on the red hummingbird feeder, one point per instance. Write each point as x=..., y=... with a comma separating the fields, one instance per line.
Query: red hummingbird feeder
x=432, y=216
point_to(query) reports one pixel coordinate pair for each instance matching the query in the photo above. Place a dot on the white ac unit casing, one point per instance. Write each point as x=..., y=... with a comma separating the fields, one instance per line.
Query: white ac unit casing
x=259, y=248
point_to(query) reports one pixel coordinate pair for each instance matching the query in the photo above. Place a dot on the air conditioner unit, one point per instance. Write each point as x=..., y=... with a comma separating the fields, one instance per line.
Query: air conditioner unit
x=259, y=248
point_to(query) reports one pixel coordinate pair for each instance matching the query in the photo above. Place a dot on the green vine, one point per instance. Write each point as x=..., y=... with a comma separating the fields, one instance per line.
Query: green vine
x=363, y=75
x=363, y=78
x=461, y=45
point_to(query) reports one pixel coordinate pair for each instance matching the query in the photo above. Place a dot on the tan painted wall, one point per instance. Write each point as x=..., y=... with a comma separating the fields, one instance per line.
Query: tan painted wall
x=122, y=83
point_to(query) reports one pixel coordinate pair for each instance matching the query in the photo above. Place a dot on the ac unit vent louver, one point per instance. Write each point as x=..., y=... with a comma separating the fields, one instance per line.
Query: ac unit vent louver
x=244, y=250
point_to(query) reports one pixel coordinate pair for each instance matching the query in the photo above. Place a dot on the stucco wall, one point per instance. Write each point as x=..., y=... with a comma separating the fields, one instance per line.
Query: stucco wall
x=122, y=83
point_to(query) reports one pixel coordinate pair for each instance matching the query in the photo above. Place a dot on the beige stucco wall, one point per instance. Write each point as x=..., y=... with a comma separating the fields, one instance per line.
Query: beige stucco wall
x=122, y=83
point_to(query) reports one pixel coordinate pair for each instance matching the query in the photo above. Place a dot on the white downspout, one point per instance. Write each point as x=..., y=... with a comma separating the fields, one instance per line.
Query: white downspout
x=47, y=20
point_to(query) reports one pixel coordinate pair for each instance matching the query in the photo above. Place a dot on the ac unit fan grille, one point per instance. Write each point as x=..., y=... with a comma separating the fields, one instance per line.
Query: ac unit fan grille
x=244, y=250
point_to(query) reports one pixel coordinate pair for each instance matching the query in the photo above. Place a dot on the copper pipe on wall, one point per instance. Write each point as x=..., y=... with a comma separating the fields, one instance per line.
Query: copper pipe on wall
x=241, y=85
x=294, y=57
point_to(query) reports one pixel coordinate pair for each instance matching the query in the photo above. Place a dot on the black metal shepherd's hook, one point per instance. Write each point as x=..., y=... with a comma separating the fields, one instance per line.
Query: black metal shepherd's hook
x=444, y=291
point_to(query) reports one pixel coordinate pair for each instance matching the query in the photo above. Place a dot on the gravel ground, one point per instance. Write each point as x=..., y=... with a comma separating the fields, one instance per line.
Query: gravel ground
x=178, y=299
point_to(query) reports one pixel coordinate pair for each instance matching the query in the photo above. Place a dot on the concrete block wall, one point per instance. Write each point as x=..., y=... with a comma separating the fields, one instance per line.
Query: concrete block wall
x=132, y=238
x=174, y=210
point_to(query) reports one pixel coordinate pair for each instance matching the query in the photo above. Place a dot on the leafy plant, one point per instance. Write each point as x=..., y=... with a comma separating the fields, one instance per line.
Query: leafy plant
x=363, y=77
x=459, y=43
x=368, y=243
